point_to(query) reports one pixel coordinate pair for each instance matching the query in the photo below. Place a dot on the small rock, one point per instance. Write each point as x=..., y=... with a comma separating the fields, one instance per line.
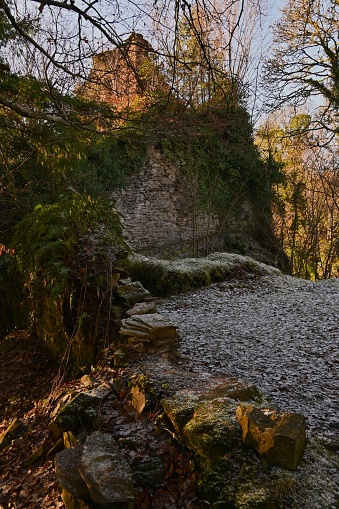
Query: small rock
x=280, y=437
x=142, y=308
x=137, y=347
x=132, y=292
x=87, y=381
x=120, y=359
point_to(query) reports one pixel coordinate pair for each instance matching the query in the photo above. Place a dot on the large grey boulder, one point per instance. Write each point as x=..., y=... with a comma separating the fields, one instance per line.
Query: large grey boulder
x=280, y=437
x=106, y=473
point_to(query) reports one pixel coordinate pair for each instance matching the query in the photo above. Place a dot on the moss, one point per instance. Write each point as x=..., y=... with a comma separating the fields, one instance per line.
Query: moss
x=213, y=431
x=79, y=413
x=216, y=487
x=236, y=482
x=165, y=277
x=180, y=408
x=254, y=495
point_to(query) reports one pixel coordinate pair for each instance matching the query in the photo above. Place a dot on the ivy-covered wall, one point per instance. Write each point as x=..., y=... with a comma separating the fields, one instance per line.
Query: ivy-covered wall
x=159, y=209
x=165, y=212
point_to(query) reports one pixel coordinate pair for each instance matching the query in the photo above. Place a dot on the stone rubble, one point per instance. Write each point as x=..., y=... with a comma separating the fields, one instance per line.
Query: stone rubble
x=150, y=333
x=94, y=472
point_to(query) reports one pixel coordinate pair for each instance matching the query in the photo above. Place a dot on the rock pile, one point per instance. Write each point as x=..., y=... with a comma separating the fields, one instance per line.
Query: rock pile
x=218, y=429
x=150, y=333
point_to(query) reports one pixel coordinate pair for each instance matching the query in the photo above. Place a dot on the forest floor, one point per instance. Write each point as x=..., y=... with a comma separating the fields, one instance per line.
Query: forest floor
x=26, y=377
x=277, y=332
x=30, y=387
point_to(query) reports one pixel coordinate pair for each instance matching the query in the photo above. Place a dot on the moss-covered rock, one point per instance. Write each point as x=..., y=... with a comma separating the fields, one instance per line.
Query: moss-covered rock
x=254, y=495
x=232, y=474
x=80, y=412
x=213, y=431
x=237, y=482
x=180, y=408
x=166, y=277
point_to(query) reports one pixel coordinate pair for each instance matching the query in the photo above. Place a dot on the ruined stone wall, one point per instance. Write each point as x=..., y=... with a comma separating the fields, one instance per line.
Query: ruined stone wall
x=118, y=77
x=159, y=209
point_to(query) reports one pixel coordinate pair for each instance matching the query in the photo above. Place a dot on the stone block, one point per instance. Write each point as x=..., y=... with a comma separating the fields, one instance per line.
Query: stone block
x=142, y=308
x=132, y=292
x=66, y=464
x=279, y=437
x=107, y=474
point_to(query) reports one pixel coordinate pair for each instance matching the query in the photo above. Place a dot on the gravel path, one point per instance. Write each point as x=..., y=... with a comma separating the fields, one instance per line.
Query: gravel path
x=278, y=332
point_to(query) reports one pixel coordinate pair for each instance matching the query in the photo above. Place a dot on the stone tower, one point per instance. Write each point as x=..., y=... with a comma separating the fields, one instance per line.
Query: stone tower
x=117, y=77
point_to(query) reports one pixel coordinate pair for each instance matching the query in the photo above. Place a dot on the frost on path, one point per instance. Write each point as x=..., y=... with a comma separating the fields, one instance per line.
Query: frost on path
x=278, y=332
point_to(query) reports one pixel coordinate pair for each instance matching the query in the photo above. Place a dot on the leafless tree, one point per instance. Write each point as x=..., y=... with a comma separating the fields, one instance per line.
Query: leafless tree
x=305, y=59
x=56, y=42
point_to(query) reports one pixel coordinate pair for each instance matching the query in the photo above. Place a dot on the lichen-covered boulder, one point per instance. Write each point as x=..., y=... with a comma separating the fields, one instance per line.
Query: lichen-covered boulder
x=106, y=473
x=280, y=437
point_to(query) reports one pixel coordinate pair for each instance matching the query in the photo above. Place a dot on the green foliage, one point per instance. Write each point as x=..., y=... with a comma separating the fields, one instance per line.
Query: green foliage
x=40, y=160
x=222, y=162
x=47, y=241
x=106, y=163
x=65, y=252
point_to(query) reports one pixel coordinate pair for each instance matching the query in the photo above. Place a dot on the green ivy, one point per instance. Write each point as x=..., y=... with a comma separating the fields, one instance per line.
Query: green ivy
x=224, y=163
x=47, y=241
